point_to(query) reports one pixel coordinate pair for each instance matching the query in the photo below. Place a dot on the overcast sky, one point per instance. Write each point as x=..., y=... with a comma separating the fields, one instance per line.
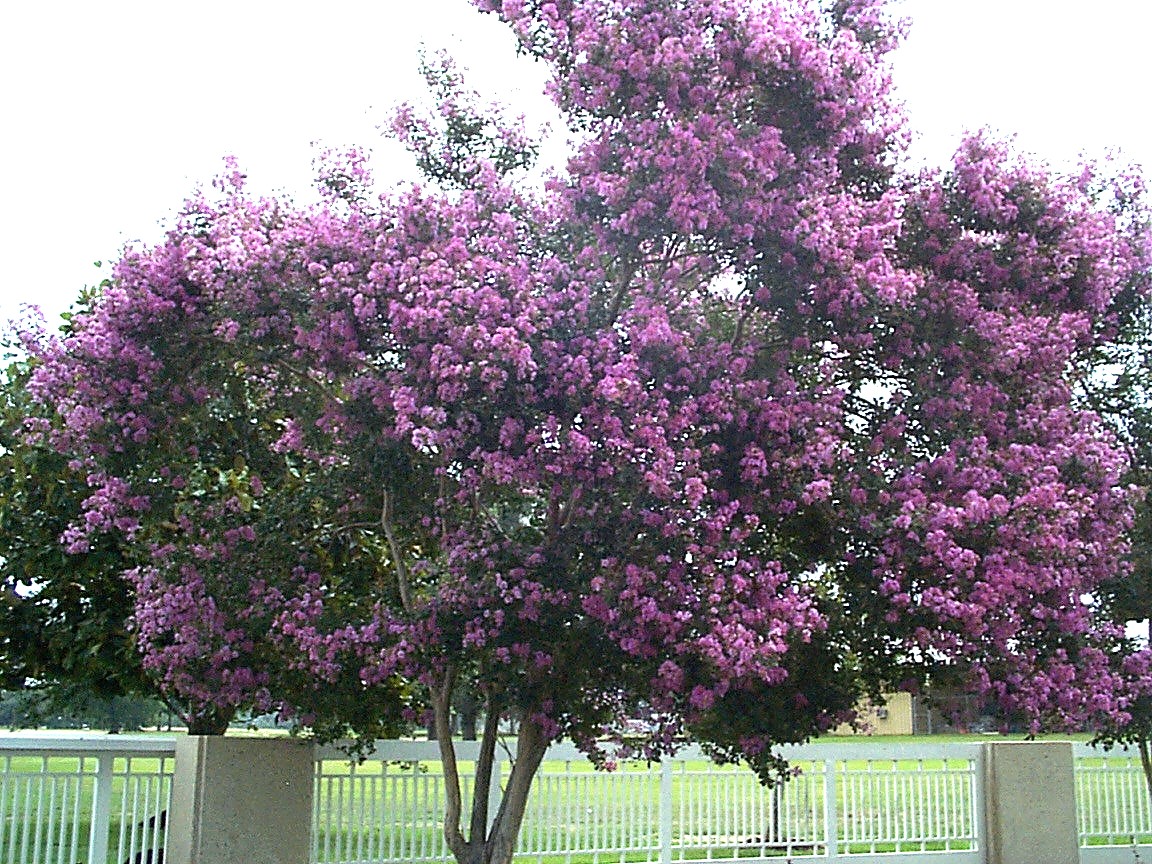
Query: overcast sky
x=113, y=111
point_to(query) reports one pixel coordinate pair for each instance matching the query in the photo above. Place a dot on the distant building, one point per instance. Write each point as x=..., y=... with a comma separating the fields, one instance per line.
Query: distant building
x=905, y=714
x=895, y=717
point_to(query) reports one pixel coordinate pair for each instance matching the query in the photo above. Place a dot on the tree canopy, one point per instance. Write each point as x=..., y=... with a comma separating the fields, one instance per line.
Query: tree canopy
x=731, y=422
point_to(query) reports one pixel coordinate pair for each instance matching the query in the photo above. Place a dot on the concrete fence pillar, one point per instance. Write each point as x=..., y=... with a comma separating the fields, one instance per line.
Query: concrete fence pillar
x=240, y=801
x=1030, y=803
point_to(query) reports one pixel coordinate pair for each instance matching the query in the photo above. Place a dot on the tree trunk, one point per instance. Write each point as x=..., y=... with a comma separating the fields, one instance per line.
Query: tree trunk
x=530, y=749
x=1145, y=762
x=208, y=721
x=495, y=843
x=468, y=707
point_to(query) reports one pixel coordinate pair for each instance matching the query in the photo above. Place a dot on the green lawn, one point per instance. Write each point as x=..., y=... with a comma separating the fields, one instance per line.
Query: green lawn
x=611, y=806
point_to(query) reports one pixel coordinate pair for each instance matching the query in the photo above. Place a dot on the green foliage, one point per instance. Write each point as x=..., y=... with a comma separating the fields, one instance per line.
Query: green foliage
x=62, y=616
x=72, y=706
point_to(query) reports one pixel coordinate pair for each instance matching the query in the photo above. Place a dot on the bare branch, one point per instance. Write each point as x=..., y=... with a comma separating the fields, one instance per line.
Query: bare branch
x=569, y=509
x=553, y=522
x=738, y=337
x=303, y=376
x=394, y=548
x=621, y=290
x=341, y=529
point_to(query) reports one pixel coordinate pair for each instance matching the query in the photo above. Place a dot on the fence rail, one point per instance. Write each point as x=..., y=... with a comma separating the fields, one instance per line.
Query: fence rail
x=103, y=800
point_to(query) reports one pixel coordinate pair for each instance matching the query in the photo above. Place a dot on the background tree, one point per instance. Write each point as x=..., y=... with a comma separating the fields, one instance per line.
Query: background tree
x=76, y=707
x=729, y=421
x=63, y=616
x=1115, y=383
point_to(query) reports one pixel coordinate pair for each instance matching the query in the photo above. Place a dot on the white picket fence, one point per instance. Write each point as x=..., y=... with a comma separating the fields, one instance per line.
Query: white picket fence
x=875, y=800
x=83, y=800
x=102, y=800
x=1113, y=807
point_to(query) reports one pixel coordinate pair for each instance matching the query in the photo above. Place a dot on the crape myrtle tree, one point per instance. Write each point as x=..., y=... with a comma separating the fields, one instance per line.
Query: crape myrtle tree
x=728, y=422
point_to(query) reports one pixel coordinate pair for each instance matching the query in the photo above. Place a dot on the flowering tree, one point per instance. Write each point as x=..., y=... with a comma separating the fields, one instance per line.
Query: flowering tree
x=730, y=423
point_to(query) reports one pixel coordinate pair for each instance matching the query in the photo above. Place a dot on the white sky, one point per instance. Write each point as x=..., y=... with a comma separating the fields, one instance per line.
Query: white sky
x=113, y=111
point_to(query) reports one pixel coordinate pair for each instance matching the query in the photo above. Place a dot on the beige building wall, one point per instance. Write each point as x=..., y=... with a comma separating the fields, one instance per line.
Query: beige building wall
x=894, y=717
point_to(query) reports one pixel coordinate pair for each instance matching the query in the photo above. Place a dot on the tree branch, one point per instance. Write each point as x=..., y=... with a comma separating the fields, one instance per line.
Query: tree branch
x=478, y=831
x=531, y=746
x=738, y=336
x=441, y=711
x=569, y=509
x=394, y=548
x=311, y=379
x=621, y=290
